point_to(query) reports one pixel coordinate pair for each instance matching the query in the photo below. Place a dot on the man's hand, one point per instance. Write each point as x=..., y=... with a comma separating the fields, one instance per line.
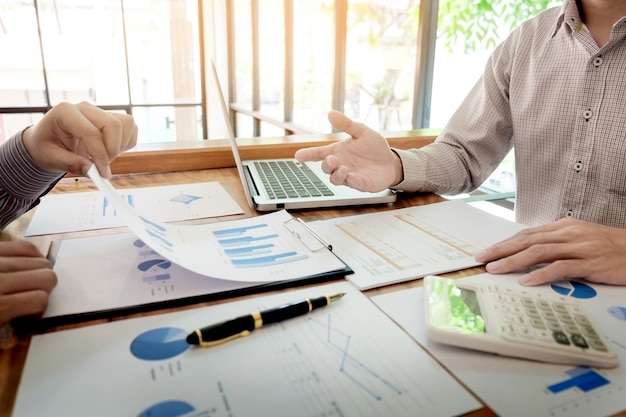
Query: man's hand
x=26, y=279
x=571, y=249
x=364, y=161
x=70, y=138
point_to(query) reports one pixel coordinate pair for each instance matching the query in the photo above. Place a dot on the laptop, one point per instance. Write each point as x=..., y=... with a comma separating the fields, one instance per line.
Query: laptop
x=286, y=183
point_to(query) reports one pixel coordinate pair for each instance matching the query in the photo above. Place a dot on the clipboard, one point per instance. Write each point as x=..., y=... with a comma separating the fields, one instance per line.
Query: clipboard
x=105, y=276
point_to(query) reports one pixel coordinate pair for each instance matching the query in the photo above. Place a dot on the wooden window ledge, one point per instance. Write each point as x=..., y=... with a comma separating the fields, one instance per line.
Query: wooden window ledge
x=216, y=153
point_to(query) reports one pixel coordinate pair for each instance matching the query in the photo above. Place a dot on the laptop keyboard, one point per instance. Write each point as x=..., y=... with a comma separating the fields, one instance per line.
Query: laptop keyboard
x=289, y=179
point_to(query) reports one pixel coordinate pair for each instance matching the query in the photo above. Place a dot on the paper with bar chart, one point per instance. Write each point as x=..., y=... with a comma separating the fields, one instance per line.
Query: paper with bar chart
x=70, y=212
x=257, y=249
x=91, y=284
x=347, y=359
x=521, y=388
x=398, y=245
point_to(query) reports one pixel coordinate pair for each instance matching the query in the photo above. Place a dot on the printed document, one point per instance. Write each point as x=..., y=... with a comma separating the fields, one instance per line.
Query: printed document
x=72, y=212
x=346, y=359
x=393, y=246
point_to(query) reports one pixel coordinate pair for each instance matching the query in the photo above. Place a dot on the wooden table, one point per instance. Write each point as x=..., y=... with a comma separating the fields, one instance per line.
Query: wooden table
x=14, y=348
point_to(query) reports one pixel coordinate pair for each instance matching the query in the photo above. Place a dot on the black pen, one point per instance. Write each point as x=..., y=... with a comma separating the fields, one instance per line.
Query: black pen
x=242, y=326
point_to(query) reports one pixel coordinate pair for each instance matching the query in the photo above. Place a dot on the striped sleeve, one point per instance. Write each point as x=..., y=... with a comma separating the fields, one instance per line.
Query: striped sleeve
x=22, y=182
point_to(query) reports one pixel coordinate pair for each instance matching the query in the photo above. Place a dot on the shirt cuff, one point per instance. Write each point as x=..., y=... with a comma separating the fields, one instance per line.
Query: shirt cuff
x=19, y=174
x=413, y=170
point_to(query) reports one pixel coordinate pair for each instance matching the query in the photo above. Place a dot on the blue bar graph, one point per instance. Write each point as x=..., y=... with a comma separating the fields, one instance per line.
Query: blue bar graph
x=249, y=250
x=107, y=207
x=237, y=231
x=255, y=246
x=244, y=240
x=268, y=260
x=584, y=379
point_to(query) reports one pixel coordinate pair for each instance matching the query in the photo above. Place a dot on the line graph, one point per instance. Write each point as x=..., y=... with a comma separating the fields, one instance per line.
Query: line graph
x=351, y=369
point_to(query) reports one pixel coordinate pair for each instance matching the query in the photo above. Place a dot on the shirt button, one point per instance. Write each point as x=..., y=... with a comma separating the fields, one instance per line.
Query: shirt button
x=587, y=114
x=578, y=166
x=569, y=213
x=597, y=61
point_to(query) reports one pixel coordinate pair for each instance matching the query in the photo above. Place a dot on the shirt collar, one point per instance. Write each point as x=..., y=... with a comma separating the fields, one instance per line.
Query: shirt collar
x=569, y=15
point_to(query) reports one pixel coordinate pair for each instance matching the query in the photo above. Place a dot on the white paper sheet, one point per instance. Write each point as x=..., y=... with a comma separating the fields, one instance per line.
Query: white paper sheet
x=347, y=359
x=399, y=245
x=516, y=387
x=71, y=212
x=257, y=249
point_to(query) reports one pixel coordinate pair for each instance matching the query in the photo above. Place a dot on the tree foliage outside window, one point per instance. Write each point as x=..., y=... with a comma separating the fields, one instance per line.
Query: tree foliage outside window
x=481, y=24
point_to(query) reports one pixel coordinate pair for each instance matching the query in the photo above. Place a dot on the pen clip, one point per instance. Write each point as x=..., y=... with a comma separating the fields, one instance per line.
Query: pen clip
x=306, y=235
x=210, y=343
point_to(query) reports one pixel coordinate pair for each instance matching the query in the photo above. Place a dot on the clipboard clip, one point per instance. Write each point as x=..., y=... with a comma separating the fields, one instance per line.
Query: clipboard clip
x=313, y=241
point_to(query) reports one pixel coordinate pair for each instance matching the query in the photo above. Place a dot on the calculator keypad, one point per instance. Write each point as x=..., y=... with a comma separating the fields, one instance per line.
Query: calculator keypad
x=527, y=317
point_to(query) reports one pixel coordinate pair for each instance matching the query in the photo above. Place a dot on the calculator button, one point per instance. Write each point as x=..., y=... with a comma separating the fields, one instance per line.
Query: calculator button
x=524, y=332
x=571, y=329
x=588, y=331
x=544, y=305
x=504, y=308
x=537, y=323
x=579, y=341
x=512, y=299
x=508, y=318
x=517, y=310
x=508, y=330
x=533, y=312
x=548, y=315
x=554, y=325
x=565, y=318
x=500, y=298
x=544, y=336
x=559, y=308
x=582, y=320
x=597, y=344
x=561, y=338
x=528, y=302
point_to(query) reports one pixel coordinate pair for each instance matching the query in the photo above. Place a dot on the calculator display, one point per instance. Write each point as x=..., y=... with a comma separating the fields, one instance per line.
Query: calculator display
x=460, y=311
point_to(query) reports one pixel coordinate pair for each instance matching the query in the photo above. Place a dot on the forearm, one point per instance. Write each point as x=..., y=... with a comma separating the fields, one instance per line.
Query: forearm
x=475, y=140
x=434, y=168
x=22, y=182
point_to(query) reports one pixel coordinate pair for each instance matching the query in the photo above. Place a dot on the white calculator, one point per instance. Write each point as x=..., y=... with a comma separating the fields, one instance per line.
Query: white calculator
x=521, y=322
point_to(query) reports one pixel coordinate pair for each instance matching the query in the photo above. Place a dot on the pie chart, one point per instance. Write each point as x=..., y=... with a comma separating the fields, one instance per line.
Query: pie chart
x=574, y=289
x=167, y=409
x=159, y=344
x=618, y=312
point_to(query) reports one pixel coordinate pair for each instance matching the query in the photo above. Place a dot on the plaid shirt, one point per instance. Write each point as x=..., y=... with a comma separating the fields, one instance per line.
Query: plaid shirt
x=22, y=182
x=559, y=100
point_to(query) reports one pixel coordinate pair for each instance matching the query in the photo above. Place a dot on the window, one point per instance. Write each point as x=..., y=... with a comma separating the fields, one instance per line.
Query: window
x=139, y=56
x=380, y=63
x=297, y=59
